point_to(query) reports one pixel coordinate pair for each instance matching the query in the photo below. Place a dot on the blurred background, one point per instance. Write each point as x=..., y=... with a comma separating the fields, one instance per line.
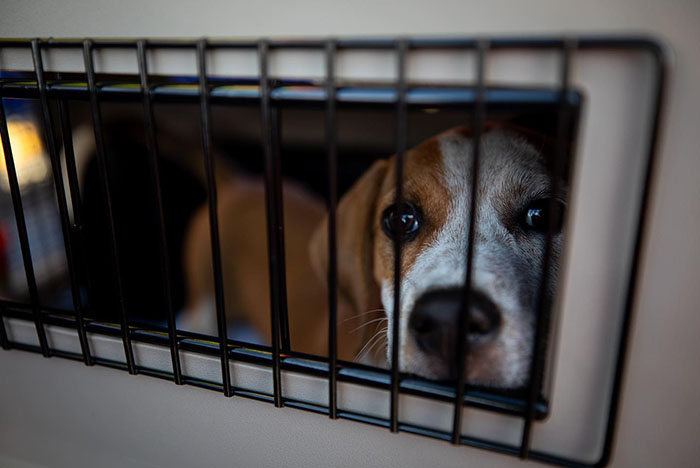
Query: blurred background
x=660, y=417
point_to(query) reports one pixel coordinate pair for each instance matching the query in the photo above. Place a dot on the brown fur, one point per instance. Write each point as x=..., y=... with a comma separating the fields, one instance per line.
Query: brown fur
x=422, y=182
x=243, y=233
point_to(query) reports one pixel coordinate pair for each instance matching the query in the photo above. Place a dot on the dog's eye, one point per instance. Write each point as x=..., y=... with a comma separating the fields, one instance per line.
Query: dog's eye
x=402, y=222
x=538, y=214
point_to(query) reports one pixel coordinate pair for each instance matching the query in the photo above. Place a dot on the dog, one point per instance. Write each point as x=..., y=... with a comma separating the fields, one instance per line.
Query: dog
x=514, y=192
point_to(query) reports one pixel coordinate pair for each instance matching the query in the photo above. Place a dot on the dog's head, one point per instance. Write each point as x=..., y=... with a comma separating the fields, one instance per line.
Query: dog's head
x=514, y=190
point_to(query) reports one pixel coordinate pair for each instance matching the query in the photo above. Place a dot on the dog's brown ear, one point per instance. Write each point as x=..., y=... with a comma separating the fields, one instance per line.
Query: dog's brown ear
x=354, y=238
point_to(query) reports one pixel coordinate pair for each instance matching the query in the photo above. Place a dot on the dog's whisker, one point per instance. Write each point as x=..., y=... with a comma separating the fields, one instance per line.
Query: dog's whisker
x=374, y=338
x=354, y=317
x=380, y=319
x=371, y=343
x=382, y=347
x=360, y=354
x=377, y=345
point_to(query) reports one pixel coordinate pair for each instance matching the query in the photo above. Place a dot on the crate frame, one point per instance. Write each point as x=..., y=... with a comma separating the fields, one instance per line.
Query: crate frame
x=276, y=356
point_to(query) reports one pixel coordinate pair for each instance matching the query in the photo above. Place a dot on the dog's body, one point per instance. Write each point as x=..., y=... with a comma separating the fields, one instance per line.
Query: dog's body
x=243, y=233
x=514, y=184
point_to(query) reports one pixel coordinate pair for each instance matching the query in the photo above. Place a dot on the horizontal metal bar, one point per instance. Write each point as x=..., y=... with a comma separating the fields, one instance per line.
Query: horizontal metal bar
x=7, y=305
x=293, y=361
x=225, y=93
x=601, y=42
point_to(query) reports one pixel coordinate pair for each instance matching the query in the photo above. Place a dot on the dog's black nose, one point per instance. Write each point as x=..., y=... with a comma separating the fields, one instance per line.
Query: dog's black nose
x=434, y=321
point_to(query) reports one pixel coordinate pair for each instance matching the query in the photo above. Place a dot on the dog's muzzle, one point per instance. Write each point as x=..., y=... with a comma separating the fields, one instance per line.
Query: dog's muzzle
x=434, y=323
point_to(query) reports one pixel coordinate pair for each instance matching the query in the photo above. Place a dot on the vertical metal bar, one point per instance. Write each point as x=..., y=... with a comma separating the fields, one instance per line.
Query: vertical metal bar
x=4, y=342
x=275, y=140
x=61, y=199
x=639, y=242
x=401, y=48
x=22, y=232
x=103, y=171
x=74, y=187
x=152, y=144
x=71, y=168
x=205, y=113
x=543, y=305
x=462, y=345
x=273, y=208
x=332, y=243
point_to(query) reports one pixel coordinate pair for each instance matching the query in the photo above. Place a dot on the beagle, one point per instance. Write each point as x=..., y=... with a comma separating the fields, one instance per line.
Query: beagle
x=510, y=234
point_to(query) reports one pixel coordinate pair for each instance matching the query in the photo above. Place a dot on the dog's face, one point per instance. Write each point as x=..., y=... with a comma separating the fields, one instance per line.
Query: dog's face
x=514, y=189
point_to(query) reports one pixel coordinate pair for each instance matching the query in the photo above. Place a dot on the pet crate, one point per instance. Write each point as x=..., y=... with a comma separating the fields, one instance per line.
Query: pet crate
x=471, y=75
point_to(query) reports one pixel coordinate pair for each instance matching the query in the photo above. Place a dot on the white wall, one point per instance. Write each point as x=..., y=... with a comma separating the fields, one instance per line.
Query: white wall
x=660, y=419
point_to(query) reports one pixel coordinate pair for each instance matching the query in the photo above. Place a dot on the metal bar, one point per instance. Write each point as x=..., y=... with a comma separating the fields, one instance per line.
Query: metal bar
x=205, y=113
x=72, y=43
x=4, y=342
x=21, y=306
x=639, y=242
x=61, y=200
x=379, y=97
x=104, y=177
x=22, y=233
x=273, y=209
x=401, y=48
x=462, y=345
x=543, y=305
x=332, y=242
x=275, y=140
x=74, y=188
x=152, y=144
x=379, y=43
